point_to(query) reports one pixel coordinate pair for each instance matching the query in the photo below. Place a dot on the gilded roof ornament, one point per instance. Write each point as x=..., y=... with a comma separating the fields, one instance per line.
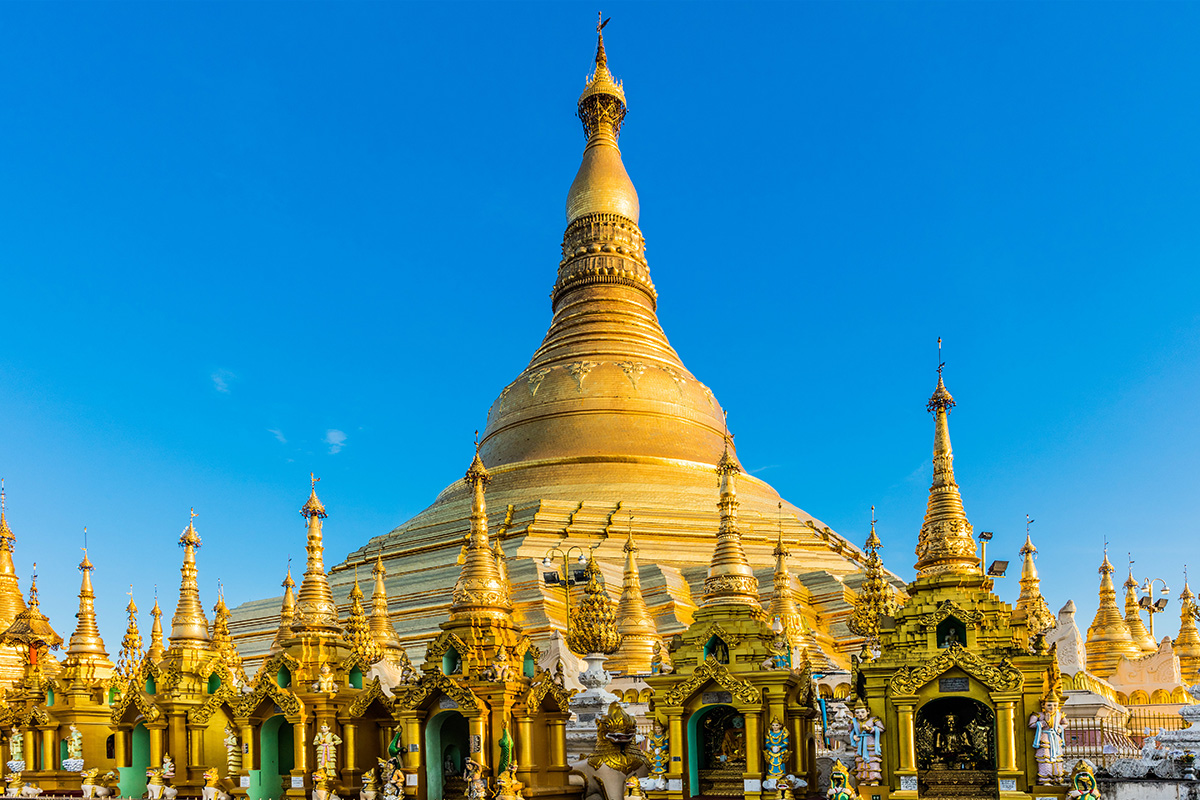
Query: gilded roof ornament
x=315, y=613
x=593, y=627
x=730, y=577
x=382, y=628
x=1108, y=639
x=11, y=601
x=1038, y=617
x=31, y=627
x=634, y=622
x=222, y=639
x=481, y=589
x=602, y=105
x=189, y=625
x=783, y=601
x=7, y=537
x=85, y=644
x=129, y=660
x=1187, y=643
x=875, y=599
x=946, y=543
x=157, y=649
x=287, y=612
x=358, y=629
x=1133, y=615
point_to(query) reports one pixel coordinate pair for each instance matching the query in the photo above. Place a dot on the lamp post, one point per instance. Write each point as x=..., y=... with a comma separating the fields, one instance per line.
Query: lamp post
x=562, y=574
x=1149, y=604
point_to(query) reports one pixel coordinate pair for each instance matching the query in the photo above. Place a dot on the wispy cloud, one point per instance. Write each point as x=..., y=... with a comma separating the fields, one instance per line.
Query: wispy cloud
x=335, y=439
x=221, y=380
x=278, y=434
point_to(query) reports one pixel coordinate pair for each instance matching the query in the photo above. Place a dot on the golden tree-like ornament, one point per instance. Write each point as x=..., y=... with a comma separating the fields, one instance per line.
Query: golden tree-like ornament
x=875, y=595
x=593, y=624
x=131, y=655
x=358, y=628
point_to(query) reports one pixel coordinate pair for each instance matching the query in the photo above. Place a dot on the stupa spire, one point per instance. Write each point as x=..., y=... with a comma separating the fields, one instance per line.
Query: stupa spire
x=1133, y=615
x=634, y=622
x=946, y=543
x=31, y=627
x=1031, y=604
x=222, y=639
x=730, y=577
x=130, y=657
x=358, y=629
x=481, y=590
x=1187, y=643
x=11, y=601
x=382, y=629
x=783, y=601
x=85, y=645
x=287, y=612
x=315, y=613
x=157, y=649
x=189, y=625
x=1108, y=639
x=874, y=599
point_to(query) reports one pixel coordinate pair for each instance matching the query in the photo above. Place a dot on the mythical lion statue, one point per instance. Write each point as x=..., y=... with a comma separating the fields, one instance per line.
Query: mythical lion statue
x=616, y=759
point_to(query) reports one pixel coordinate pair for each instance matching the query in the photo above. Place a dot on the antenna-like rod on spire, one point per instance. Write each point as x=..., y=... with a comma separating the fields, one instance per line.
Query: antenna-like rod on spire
x=1029, y=521
x=941, y=364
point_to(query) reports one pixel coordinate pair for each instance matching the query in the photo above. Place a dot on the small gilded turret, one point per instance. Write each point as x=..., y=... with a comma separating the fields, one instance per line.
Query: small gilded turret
x=130, y=657
x=946, y=543
x=358, y=629
x=1187, y=643
x=634, y=623
x=1133, y=617
x=86, y=648
x=189, y=626
x=11, y=601
x=1108, y=639
x=382, y=629
x=1031, y=606
x=783, y=601
x=315, y=613
x=730, y=577
x=222, y=639
x=481, y=590
x=31, y=627
x=157, y=649
x=287, y=613
x=593, y=627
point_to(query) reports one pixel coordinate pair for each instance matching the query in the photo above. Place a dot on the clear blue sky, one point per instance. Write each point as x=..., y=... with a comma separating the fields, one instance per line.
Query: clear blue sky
x=228, y=230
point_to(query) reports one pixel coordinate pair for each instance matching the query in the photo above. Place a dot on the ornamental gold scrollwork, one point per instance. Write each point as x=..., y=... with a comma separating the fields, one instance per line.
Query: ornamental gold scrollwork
x=442, y=644
x=536, y=378
x=712, y=670
x=435, y=682
x=224, y=695
x=1002, y=678
x=547, y=686
x=134, y=695
x=264, y=688
x=633, y=370
x=949, y=608
x=718, y=630
x=371, y=694
x=579, y=370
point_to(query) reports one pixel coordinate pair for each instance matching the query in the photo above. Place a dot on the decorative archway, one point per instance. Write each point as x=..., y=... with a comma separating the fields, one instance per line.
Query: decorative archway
x=716, y=751
x=276, y=759
x=446, y=750
x=956, y=747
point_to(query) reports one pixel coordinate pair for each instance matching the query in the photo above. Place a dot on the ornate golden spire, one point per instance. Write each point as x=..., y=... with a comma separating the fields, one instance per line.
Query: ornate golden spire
x=85, y=645
x=382, y=629
x=358, y=629
x=287, y=612
x=189, y=625
x=593, y=627
x=1187, y=643
x=31, y=627
x=11, y=601
x=634, y=623
x=783, y=602
x=130, y=657
x=315, y=613
x=946, y=542
x=222, y=639
x=1133, y=616
x=157, y=650
x=481, y=590
x=1108, y=639
x=1030, y=604
x=730, y=577
x=874, y=599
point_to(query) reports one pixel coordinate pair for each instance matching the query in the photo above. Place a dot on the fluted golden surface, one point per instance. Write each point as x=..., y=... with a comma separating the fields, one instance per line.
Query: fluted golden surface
x=156, y=650
x=945, y=543
x=1187, y=643
x=481, y=590
x=85, y=645
x=1108, y=639
x=189, y=625
x=593, y=627
x=634, y=623
x=1133, y=617
x=730, y=578
x=315, y=613
x=130, y=657
x=287, y=612
x=1030, y=603
x=382, y=629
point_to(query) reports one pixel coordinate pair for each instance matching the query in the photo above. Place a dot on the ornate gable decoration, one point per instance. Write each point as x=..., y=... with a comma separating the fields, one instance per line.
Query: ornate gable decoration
x=434, y=682
x=718, y=630
x=441, y=645
x=266, y=687
x=949, y=608
x=351, y=661
x=134, y=695
x=712, y=670
x=544, y=686
x=225, y=695
x=367, y=696
x=1002, y=678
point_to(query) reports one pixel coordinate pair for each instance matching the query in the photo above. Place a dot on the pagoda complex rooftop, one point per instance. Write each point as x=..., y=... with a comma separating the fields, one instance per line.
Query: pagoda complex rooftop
x=605, y=433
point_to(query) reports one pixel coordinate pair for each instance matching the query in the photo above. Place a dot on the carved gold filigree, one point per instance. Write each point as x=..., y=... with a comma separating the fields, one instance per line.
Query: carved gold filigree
x=999, y=678
x=225, y=695
x=633, y=370
x=431, y=684
x=266, y=688
x=536, y=378
x=579, y=370
x=442, y=645
x=949, y=608
x=546, y=687
x=371, y=694
x=713, y=671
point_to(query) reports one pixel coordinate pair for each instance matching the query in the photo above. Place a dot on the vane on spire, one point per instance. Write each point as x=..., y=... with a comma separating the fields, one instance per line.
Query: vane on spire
x=941, y=364
x=941, y=400
x=312, y=479
x=1029, y=521
x=601, y=22
x=873, y=520
x=477, y=440
x=2, y=506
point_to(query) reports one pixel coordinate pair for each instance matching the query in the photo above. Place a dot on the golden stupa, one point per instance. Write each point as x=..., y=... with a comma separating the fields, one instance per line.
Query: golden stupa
x=605, y=422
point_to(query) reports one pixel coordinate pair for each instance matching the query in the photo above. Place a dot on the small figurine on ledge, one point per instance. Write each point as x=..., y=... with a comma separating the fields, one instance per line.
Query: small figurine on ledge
x=1083, y=782
x=839, y=783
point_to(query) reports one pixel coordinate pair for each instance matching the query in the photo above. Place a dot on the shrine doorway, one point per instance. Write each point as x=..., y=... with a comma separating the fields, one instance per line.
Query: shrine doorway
x=276, y=759
x=956, y=749
x=716, y=752
x=446, y=751
x=133, y=778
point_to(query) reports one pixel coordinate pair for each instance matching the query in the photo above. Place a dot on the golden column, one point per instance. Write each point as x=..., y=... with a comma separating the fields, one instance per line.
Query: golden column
x=1006, y=733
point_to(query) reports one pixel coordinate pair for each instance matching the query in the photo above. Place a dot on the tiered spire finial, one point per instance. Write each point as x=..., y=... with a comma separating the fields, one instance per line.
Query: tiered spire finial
x=634, y=622
x=481, y=589
x=358, y=629
x=287, y=611
x=1038, y=616
x=157, y=649
x=946, y=543
x=31, y=627
x=730, y=577
x=1108, y=639
x=1133, y=615
x=783, y=601
x=593, y=627
x=874, y=595
x=602, y=104
x=382, y=629
x=315, y=613
x=85, y=644
x=189, y=625
x=130, y=657
x=11, y=601
x=1187, y=643
x=222, y=639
